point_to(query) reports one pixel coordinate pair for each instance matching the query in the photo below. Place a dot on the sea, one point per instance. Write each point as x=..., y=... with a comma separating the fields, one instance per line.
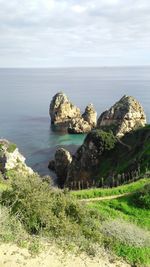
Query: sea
x=25, y=96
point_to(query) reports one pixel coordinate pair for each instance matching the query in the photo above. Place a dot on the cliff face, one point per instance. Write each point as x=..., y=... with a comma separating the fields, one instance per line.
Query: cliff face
x=104, y=160
x=64, y=113
x=11, y=158
x=124, y=116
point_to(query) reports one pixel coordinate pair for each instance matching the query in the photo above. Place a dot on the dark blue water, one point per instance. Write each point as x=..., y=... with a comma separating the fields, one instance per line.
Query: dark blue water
x=25, y=95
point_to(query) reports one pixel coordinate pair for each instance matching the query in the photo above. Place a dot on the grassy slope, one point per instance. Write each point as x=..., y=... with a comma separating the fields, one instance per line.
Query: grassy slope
x=99, y=192
x=124, y=209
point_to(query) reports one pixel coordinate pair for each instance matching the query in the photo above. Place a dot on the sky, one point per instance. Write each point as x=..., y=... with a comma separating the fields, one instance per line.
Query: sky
x=71, y=33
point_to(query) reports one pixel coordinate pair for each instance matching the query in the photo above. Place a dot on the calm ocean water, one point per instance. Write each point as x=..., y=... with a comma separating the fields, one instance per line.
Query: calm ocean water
x=25, y=95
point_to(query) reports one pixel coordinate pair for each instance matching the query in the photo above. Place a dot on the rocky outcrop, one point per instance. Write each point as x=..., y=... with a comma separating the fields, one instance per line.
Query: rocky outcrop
x=78, y=126
x=90, y=115
x=62, y=161
x=86, y=161
x=126, y=115
x=64, y=113
x=104, y=160
x=11, y=158
x=108, y=158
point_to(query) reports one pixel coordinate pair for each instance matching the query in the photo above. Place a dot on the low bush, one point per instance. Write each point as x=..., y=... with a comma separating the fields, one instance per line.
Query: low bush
x=10, y=227
x=142, y=197
x=126, y=233
x=51, y=212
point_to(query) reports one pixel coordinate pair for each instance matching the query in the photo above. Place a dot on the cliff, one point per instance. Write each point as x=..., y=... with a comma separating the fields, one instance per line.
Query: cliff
x=12, y=159
x=124, y=116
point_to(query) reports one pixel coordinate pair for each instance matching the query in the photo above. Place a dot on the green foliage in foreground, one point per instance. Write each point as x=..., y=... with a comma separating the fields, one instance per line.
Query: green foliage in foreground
x=136, y=256
x=34, y=208
x=125, y=210
x=100, y=192
x=50, y=212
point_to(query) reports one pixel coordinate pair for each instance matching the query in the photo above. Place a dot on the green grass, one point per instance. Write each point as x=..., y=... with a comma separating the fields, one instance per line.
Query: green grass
x=123, y=208
x=99, y=192
x=11, y=148
x=136, y=256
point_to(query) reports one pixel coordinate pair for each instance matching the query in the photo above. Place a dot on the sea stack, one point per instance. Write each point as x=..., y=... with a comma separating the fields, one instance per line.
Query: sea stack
x=65, y=114
x=62, y=111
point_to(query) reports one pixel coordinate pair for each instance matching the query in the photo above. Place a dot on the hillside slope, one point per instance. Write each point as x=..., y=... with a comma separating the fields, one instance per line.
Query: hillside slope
x=103, y=160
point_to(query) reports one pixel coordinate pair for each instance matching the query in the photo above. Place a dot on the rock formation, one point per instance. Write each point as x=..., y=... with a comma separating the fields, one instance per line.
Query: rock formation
x=62, y=110
x=86, y=161
x=78, y=126
x=126, y=115
x=61, y=164
x=104, y=160
x=64, y=113
x=90, y=115
x=11, y=158
x=108, y=157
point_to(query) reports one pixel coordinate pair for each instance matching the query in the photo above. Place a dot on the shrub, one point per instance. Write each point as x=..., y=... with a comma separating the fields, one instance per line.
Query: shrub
x=11, y=229
x=50, y=212
x=142, y=197
x=126, y=233
x=102, y=140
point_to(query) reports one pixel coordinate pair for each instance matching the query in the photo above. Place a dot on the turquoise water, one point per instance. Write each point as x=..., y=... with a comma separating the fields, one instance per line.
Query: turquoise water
x=25, y=95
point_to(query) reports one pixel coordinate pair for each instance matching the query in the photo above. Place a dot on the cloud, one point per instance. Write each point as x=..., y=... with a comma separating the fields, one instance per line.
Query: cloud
x=44, y=33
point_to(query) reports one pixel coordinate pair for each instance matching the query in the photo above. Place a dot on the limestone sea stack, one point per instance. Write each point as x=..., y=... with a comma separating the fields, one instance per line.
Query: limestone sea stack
x=64, y=113
x=124, y=116
x=90, y=115
x=62, y=110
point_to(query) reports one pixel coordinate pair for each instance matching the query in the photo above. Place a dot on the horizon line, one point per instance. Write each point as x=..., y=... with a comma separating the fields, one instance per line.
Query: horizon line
x=75, y=67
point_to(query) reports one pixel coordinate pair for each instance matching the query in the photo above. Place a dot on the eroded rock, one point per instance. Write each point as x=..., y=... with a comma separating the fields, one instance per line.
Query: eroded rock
x=90, y=115
x=78, y=126
x=63, y=159
x=11, y=158
x=124, y=116
x=62, y=111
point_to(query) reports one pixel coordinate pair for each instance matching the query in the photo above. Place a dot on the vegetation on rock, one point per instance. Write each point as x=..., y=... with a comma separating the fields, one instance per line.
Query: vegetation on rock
x=104, y=161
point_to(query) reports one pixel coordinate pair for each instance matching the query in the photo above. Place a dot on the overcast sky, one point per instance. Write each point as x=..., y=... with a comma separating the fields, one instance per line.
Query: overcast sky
x=56, y=33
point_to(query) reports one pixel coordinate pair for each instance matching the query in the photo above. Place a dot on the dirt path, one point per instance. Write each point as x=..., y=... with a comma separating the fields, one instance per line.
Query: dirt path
x=12, y=256
x=104, y=198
